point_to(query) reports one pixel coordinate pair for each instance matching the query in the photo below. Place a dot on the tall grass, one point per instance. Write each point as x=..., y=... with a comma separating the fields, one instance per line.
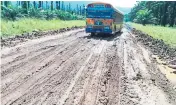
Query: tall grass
x=167, y=34
x=9, y=28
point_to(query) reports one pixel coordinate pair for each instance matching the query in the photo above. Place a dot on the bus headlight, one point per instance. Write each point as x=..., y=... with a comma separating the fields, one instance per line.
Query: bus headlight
x=106, y=27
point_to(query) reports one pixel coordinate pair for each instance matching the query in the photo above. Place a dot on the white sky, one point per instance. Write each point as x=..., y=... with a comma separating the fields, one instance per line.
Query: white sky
x=121, y=3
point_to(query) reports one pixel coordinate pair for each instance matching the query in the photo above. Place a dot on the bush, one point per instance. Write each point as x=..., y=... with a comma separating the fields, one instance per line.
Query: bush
x=11, y=13
x=14, y=13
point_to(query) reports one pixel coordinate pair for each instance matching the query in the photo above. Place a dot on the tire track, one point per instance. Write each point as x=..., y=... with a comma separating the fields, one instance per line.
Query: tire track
x=33, y=67
x=43, y=64
x=47, y=44
x=56, y=68
x=78, y=94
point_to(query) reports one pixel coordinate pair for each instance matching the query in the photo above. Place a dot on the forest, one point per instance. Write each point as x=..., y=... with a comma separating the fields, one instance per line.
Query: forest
x=42, y=10
x=154, y=12
x=18, y=17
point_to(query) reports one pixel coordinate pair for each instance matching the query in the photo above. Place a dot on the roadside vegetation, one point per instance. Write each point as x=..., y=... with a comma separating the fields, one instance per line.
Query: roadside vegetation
x=154, y=12
x=167, y=34
x=156, y=18
x=25, y=25
x=26, y=16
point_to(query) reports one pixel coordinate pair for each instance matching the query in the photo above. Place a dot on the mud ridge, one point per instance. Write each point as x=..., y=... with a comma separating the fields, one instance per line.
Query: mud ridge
x=14, y=40
x=157, y=46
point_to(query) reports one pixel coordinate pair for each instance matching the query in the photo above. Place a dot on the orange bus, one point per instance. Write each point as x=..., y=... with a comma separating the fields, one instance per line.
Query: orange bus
x=103, y=18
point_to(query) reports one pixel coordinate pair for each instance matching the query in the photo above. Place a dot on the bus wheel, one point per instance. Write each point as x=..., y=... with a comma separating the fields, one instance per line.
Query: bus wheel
x=92, y=34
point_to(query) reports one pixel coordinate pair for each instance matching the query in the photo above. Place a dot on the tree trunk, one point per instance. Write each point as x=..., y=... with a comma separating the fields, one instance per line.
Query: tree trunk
x=62, y=5
x=34, y=3
x=1, y=5
x=51, y=5
x=24, y=6
x=83, y=9
x=80, y=11
x=69, y=7
x=66, y=7
x=6, y=3
x=40, y=4
x=59, y=5
x=164, y=17
x=28, y=3
x=46, y=4
x=19, y=3
x=77, y=9
x=173, y=14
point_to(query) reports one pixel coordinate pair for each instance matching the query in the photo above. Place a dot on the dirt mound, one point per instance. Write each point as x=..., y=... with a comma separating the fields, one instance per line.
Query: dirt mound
x=157, y=46
x=14, y=40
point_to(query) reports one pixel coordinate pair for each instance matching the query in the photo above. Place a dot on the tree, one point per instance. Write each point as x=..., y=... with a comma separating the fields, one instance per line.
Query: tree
x=24, y=6
x=77, y=9
x=19, y=3
x=62, y=5
x=57, y=5
x=46, y=4
x=80, y=11
x=6, y=3
x=172, y=13
x=2, y=5
x=69, y=7
x=144, y=17
x=28, y=4
x=164, y=12
x=52, y=7
x=83, y=10
x=164, y=17
x=40, y=4
x=34, y=4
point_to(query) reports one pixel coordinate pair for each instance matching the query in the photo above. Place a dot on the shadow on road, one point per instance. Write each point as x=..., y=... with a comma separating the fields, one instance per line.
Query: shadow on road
x=107, y=37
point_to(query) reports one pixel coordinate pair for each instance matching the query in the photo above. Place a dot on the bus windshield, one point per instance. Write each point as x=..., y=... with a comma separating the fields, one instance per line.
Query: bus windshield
x=99, y=15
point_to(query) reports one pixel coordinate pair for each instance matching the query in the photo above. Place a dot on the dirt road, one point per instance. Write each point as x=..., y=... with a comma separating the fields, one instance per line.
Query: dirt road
x=74, y=68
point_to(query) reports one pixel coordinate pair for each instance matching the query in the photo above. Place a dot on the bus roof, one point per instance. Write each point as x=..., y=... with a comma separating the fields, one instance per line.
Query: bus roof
x=118, y=11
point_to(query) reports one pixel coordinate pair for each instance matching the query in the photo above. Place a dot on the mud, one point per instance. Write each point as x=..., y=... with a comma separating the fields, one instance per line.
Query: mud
x=157, y=46
x=73, y=68
x=16, y=39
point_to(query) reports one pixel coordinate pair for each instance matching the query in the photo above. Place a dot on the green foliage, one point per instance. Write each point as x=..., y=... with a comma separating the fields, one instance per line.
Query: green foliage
x=144, y=16
x=154, y=12
x=126, y=18
x=10, y=12
x=14, y=13
x=23, y=25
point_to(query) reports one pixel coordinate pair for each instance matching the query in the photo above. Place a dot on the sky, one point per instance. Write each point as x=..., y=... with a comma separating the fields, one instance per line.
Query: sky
x=121, y=3
x=116, y=3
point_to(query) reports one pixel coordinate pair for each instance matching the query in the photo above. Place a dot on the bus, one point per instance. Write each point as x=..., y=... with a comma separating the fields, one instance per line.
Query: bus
x=103, y=18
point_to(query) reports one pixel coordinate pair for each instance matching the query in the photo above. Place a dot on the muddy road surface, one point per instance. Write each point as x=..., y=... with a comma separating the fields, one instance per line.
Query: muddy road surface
x=73, y=68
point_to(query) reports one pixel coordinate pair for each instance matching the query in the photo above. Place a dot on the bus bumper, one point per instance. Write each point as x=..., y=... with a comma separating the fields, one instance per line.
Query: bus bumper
x=90, y=30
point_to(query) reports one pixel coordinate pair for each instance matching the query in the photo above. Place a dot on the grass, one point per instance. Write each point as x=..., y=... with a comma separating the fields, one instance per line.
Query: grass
x=167, y=34
x=10, y=28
